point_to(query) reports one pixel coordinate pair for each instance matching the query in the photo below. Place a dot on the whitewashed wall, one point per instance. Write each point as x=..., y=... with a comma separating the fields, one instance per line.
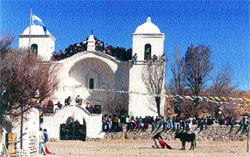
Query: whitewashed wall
x=141, y=105
x=46, y=45
x=77, y=69
x=155, y=40
x=30, y=128
x=93, y=122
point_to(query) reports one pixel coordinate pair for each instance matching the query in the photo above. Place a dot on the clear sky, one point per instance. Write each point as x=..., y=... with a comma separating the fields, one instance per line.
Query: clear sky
x=221, y=25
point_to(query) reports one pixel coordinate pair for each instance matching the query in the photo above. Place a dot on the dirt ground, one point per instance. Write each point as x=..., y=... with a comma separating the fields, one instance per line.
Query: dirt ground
x=144, y=148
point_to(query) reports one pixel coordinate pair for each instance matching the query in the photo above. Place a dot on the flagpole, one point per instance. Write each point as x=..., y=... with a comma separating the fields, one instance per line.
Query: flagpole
x=30, y=29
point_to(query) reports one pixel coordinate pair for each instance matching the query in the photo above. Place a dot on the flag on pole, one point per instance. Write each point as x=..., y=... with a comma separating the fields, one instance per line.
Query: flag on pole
x=37, y=21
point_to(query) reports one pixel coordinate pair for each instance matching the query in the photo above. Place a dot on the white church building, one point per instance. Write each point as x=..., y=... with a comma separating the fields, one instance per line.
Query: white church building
x=101, y=71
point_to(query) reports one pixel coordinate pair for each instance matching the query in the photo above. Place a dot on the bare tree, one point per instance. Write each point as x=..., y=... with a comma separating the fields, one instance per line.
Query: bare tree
x=231, y=110
x=153, y=78
x=5, y=44
x=116, y=103
x=177, y=83
x=25, y=82
x=222, y=84
x=197, y=69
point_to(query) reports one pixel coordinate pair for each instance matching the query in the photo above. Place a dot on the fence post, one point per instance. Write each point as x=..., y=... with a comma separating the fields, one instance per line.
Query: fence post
x=248, y=138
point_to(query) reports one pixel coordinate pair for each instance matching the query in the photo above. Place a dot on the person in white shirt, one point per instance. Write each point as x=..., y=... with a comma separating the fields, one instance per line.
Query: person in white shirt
x=41, y=142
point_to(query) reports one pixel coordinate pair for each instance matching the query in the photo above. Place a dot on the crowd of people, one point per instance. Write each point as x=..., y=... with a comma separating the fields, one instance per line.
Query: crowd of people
x=70, y=51
x=73, y=130
x=99, y=46
x=112, y=123
x=78, y=100
x=153, y=59
x=115, y=123
x=117, y=52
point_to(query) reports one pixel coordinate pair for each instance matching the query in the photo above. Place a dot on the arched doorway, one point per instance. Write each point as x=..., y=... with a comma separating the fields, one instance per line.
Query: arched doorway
x=91, y=83
x=73, y=130
x=94, y=73
x=147, y=52
x=34, y=49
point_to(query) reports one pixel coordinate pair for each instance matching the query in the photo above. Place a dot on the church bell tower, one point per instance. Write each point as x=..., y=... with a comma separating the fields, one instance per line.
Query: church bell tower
x=147, y=42
x=42, y=43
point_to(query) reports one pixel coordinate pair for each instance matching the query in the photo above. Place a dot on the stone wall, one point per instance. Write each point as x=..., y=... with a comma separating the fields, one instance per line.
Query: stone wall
x=212, y=133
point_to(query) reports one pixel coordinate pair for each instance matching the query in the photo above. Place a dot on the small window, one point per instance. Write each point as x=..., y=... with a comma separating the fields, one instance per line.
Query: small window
x=34, y=49
x=91, y=83
x=147, y=53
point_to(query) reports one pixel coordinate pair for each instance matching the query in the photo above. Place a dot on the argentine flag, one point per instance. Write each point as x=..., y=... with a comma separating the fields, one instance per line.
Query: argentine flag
x=37, y=21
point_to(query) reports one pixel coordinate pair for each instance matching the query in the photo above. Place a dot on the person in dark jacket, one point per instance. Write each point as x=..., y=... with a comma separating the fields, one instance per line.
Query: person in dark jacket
x=67, y=101
x=159, y=141
x=46, y=139
x=242, y=123
x=156, y=139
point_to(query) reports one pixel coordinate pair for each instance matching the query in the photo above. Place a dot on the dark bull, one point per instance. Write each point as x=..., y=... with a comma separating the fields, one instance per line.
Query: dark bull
x=185, y=137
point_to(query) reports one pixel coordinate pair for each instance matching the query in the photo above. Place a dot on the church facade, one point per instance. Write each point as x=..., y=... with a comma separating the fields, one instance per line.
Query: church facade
x=92, y=69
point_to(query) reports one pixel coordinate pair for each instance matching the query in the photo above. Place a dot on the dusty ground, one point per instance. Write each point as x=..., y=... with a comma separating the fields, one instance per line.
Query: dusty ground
x=144, y=148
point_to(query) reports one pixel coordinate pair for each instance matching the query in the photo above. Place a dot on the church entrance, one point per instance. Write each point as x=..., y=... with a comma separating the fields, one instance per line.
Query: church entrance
x=73, y=130
x=94, y=73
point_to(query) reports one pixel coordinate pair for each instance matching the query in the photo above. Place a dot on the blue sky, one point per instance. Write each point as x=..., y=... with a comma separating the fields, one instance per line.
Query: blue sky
x=221, y=25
